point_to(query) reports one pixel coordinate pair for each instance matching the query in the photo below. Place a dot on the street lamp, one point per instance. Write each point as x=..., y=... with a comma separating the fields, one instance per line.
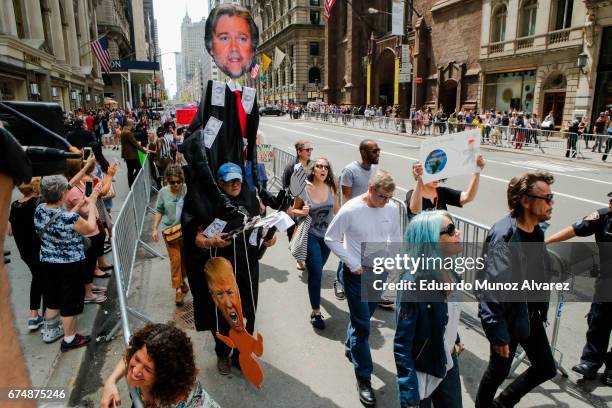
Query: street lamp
x=372, y=10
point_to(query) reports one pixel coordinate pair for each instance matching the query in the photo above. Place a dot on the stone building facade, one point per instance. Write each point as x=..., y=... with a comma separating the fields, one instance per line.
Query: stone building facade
x=45, y=52
x=296, y=28
x=445, y=46
x=529, y=55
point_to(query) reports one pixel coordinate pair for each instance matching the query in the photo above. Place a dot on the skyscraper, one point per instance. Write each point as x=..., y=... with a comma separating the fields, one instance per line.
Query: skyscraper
x=192, y=46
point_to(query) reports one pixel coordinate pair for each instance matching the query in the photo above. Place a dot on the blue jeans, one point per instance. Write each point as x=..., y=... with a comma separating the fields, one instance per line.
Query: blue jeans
x=448, y=392
x=317, y=255
x=358, y=331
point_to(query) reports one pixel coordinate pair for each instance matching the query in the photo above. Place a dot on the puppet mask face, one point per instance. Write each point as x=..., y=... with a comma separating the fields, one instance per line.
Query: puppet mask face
x=224, y=291
x=232, y=46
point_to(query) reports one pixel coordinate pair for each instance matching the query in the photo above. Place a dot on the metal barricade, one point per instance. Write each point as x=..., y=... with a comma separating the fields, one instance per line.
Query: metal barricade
x=601, y=145
x=281, y=160
x=126, y=240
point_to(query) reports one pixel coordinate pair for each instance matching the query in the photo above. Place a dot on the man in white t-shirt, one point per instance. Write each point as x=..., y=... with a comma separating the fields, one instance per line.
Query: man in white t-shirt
x=354, y=181
x=366, y=218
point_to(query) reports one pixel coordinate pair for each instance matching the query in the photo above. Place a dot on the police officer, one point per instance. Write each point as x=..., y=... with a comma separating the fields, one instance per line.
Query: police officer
x=600, y=325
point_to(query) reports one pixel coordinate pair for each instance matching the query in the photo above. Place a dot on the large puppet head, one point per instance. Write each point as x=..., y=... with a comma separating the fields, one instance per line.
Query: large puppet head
x=231, y=38
x=224, y=291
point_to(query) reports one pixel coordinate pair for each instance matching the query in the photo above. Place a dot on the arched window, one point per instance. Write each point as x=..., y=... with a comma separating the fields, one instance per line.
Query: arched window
x=498, y=23
x=527, y=18
x=314, y=75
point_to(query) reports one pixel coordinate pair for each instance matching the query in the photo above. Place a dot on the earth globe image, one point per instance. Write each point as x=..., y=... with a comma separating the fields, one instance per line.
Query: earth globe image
x=435, y=161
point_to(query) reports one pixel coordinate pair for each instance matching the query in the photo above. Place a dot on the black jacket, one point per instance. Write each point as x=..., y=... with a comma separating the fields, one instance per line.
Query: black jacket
x=81, y=138
x=504, y=320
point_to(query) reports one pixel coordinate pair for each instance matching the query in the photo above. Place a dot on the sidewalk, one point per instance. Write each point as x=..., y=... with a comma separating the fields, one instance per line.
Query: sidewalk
x=47, y=365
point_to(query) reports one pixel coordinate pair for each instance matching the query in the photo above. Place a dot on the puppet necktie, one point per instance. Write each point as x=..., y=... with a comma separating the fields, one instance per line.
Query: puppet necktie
x=242, y=119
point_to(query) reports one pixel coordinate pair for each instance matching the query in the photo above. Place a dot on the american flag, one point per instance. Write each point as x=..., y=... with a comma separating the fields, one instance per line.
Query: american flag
x=254, y=71
x=100, y=48
x=328, y=5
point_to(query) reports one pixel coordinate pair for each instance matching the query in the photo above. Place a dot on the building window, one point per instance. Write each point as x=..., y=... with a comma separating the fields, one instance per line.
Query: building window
x=19, y=18
x=315, y=2
x=314, y=75
x=498, y=25
x=314, y=48
x=527, y=19
x=510, y=90
x=562, y=14
x=315, y=17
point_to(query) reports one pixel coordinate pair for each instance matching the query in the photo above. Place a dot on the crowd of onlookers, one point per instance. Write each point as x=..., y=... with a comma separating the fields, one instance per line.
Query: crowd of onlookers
x=501, y=128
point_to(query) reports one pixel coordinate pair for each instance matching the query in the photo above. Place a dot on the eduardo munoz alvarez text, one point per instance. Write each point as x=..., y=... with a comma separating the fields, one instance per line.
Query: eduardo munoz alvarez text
x=459, y=265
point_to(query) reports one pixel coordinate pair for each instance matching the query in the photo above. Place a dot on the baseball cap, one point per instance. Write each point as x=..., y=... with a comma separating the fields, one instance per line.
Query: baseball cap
x=229, y=171
x=601, y=114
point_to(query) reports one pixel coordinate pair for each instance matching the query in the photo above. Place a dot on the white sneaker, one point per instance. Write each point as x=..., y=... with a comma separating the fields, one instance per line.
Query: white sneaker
x=53, y=334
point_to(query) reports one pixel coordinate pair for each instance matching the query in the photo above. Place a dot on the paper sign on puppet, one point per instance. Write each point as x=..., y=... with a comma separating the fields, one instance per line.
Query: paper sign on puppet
x=231, y=38
x=448, y=156
x=224, y=291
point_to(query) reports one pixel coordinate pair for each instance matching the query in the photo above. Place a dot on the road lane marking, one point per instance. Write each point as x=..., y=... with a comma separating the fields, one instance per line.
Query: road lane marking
x=529, y=164
x=586, y=200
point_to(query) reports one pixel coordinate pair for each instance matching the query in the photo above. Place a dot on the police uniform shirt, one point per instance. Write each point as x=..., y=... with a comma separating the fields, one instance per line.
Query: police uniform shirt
x=599, y=224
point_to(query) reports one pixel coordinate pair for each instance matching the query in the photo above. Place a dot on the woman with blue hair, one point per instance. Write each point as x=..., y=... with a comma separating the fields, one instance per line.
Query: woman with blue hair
x=427, y=321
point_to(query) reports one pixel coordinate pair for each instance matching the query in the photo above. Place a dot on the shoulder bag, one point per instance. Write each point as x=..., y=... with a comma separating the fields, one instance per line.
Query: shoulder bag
x=173, y=233
x=299, y=243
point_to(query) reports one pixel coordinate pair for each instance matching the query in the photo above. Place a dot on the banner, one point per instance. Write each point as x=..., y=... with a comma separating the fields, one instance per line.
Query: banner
x=279, y=56
x=396, y=82
x=449, y=156
x=265, y=62
x=397, y=17
x=185, y=116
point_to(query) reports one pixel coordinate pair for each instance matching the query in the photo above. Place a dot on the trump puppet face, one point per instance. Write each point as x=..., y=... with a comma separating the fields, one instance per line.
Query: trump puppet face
x=224, y=291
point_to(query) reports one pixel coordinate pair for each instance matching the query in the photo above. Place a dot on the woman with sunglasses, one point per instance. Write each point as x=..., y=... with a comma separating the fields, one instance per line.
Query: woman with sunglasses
x=425, y=339
x=431, y=196
x=319, y=201
x=167, y=199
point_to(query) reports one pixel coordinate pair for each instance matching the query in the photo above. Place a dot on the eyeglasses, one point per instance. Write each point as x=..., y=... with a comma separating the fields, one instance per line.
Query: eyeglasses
x=384, y=197
x=548, y=197
x=310, y=149
x=450, y=230
x=175, y=182
x=322, y=166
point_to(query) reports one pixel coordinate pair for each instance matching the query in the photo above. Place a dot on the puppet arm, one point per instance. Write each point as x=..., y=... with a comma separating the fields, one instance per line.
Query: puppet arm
x=258, y=345
x=228, y=342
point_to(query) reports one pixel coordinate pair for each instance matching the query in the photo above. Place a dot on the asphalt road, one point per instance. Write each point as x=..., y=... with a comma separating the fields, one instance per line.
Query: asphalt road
x=580, y=187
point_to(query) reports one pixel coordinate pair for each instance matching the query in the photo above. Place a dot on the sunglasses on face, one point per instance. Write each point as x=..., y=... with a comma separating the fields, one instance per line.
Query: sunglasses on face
x=375, y=151
x=450, y=230
x=322, y=166
x=175, y=182
x=310, y=149
x=548, y=197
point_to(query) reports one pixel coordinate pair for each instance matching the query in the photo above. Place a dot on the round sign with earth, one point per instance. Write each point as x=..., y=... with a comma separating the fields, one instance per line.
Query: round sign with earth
x=435, y=161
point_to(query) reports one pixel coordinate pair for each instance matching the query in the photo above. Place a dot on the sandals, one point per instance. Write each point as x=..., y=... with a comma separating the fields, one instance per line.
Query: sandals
x=103, y=276
x=96, y=298
x=99, y=290
x=106, y=268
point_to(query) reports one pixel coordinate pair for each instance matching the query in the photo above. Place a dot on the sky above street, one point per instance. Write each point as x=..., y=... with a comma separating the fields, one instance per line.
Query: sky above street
x=169, y=15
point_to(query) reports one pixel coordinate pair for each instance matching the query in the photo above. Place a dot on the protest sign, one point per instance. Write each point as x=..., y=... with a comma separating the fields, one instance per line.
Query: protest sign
x=449, y=156
x=265, y=153
x=185, y=116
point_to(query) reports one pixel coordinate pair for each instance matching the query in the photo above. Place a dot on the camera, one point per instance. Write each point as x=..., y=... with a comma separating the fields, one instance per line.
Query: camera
x=38, y=127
